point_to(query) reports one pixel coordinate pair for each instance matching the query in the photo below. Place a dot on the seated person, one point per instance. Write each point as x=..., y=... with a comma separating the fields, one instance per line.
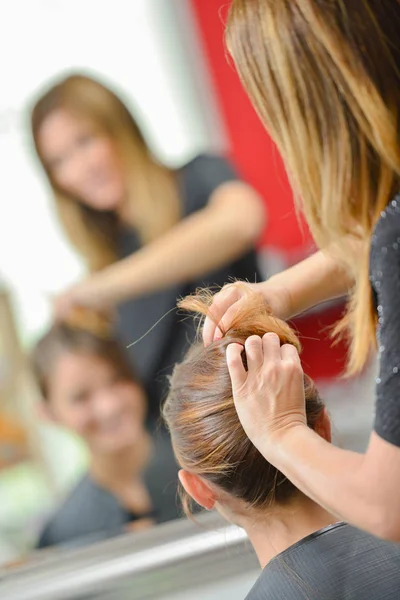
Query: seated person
x=87, y=386
x=304, y=552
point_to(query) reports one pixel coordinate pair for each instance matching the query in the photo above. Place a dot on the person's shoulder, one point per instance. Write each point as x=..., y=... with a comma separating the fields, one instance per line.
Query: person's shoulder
x=206, y=165
x=276, y=582
x=56, y=522
x=81, y=513
x=296, y=573
x=201, y=177
x=316, y=566
x=85, y=490
x=203, y=159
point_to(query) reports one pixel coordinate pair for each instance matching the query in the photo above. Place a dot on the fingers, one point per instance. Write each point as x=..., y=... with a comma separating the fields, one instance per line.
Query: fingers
x=271, y=347
x=254, y=354
x=221, y=311
x=236, y=369
x=289, y=353
x=259, y=352
x=230, y=314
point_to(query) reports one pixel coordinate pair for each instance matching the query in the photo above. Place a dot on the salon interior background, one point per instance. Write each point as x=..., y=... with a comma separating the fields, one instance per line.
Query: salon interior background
x=166, y=58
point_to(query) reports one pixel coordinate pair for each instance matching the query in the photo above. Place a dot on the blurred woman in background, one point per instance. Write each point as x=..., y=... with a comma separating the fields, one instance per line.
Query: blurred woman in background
x=87, y=387
x=147, y=233
x=304, y=551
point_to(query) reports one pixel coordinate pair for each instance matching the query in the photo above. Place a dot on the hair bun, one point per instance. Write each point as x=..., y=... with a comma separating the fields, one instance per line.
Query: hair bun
x=253, y=317
x=90, y=320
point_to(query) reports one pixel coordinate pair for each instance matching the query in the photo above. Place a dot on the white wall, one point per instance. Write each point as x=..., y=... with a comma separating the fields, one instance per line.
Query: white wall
x=135, y=44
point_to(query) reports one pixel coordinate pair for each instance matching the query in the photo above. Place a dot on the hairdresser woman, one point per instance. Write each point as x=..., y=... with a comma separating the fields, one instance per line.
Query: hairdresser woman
x=325, y=77
x=148, y=233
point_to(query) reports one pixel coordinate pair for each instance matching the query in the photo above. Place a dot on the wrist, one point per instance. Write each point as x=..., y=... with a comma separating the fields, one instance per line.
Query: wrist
x=278, y=443
x=279, y=296
x=110, y=286
x=93, y=291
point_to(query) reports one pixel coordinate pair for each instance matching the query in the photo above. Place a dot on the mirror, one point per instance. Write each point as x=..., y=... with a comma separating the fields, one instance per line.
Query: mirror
x=137, y=50
x=83, y=456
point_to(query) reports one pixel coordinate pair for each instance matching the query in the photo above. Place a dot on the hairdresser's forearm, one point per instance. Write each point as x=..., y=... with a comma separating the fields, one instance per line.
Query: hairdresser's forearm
x=196, y=246
x=361, y=489
x=316, y=279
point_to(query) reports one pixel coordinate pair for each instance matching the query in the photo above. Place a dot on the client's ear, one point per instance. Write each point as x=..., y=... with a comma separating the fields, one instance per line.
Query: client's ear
x=197, y=489
x=323, y=426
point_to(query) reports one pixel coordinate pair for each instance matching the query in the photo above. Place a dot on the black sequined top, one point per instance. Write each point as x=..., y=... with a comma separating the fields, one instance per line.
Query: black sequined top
x=385, y=282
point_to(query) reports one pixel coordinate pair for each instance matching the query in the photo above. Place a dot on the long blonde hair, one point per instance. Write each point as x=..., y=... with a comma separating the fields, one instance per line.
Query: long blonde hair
x=151, y=186
x=324, y=78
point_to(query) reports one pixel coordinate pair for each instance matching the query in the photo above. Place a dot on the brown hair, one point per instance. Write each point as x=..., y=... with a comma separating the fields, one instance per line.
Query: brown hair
x=206, y=433
x=324, y=78
x=74, y=337
x=151, y=186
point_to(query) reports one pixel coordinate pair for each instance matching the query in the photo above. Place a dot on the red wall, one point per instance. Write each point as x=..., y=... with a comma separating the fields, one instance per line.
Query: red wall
x=260, y=164
x=253, y=151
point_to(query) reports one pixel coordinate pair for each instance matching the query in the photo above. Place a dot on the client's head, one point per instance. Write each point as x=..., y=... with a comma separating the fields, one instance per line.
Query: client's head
x=88, y=386
x=220, y=466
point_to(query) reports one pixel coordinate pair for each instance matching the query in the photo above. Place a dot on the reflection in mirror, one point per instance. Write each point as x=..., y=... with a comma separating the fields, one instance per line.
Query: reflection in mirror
x=118, y=201
x=130, y=216
x=66, y=449
x=126, y=207
x=88, y=387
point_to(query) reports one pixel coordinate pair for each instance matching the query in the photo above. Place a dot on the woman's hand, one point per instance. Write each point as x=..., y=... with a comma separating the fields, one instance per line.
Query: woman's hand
x=269, y=396
x=232, y=296
x=84, y=294
x=316, y=279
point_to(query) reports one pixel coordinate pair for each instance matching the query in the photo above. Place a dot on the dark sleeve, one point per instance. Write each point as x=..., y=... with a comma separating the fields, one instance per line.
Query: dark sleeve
x=385, y=279
x=202, y=176
x=89, y=514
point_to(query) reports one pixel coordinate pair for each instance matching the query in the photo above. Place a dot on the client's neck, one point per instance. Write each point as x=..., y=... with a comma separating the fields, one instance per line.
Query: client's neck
x=281, y=527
